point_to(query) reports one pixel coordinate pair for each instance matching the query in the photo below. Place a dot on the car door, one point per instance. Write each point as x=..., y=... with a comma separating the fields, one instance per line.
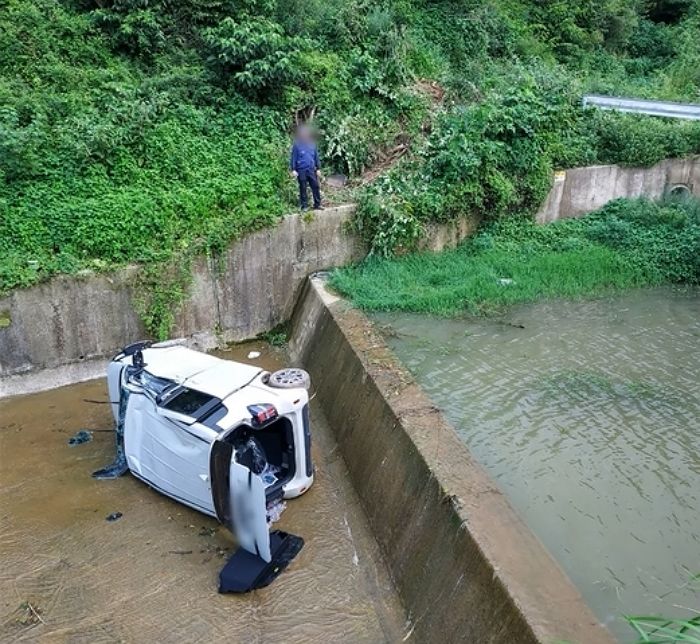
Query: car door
x=166, y=452
x=239, y=500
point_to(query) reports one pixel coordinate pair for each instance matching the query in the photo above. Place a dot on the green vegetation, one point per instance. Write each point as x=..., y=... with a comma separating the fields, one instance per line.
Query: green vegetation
x=662, y=630
x=629, y=243
x=152, y=130
x=277, y=337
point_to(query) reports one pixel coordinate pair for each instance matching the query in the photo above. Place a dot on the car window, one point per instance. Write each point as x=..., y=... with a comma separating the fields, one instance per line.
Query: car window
x=189, y=402
x=151, y=384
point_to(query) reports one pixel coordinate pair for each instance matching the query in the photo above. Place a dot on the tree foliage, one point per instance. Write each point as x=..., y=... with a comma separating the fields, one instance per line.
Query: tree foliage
x=133, y=129
x=255, y=55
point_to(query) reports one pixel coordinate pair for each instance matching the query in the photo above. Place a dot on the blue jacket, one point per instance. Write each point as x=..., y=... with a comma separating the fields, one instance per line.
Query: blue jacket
x=304, y=157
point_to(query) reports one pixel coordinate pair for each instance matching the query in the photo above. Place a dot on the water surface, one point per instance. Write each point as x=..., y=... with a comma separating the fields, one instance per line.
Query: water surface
x=587, y=415
x=68, y=575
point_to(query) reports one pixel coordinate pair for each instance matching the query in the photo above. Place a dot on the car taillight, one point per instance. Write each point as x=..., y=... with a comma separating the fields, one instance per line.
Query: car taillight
x=262, y=413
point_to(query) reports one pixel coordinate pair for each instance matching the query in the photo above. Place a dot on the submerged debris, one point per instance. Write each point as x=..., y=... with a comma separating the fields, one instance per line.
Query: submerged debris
x=114, y=516
x=207, y=532
x=83, y=436
x=28, y=614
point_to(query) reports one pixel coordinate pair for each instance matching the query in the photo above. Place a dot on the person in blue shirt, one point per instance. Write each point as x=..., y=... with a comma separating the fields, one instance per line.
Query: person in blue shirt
x=305, y=166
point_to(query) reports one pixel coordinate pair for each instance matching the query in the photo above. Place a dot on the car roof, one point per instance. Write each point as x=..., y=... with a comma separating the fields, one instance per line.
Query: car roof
x=197, y=370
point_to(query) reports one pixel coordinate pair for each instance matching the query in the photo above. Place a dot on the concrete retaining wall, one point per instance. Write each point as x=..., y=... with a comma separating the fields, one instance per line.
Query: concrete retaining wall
x=467, y=568
x=60, y=331
x=581, y=190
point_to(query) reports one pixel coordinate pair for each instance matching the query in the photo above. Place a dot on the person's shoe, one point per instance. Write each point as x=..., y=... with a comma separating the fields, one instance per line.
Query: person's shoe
x=318, y=207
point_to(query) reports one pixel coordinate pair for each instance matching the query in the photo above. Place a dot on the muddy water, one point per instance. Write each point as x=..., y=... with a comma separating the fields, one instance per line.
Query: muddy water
x=67, y=574
x=588, y=416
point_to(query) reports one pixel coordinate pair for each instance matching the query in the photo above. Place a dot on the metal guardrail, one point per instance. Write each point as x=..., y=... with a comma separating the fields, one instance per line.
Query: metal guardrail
x=669, y=109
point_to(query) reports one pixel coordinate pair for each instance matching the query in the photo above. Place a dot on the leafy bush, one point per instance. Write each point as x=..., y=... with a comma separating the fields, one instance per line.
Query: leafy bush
x=641, y=140
x=490, y=158
x=255, y=55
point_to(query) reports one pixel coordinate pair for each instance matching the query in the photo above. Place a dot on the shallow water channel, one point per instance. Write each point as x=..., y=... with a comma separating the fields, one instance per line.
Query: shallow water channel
x=587, y=414
x=69, y=575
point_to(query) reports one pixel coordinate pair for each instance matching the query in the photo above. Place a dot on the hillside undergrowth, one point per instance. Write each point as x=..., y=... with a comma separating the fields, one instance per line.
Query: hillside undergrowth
x=150, y=130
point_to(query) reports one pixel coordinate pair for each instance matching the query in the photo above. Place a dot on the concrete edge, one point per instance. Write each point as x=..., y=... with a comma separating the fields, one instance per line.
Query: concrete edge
x=67, y=321
x=68, y=374
x=466, y=566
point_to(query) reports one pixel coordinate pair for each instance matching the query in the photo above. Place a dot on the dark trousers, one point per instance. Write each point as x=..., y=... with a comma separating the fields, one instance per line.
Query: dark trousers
x=308, y=177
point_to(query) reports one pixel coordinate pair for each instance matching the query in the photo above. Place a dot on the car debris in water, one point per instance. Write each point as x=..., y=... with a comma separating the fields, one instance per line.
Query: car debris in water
x=83, y=436
x=225, y=438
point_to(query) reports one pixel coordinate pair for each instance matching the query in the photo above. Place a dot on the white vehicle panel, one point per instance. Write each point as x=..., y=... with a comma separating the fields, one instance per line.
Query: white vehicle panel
x=176, y=363
x=285, y=401
x=223, y=379
x=114, y=370
x=167, y=455
x=248, y=506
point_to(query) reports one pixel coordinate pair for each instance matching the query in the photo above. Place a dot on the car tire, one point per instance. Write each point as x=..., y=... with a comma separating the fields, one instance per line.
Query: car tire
x=291, y=378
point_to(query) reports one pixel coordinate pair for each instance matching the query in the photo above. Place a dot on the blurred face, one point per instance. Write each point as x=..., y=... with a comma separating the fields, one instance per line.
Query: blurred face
x=304, y=134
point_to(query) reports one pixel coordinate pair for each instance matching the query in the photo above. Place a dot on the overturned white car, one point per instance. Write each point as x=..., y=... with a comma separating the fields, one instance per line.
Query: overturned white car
x=225, y=438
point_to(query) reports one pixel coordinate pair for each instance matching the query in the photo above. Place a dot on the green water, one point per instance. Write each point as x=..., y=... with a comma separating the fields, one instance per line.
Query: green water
x=587, y=414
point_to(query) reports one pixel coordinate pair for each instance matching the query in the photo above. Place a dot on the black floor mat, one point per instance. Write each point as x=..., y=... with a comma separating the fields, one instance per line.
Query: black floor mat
x=245, y=571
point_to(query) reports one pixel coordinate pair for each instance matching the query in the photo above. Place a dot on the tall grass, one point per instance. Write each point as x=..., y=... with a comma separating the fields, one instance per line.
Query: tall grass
x=662, y=630
x=627, y=244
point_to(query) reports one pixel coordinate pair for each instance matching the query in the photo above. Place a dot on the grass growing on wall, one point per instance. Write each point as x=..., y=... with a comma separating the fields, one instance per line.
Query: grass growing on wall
x=629, y=243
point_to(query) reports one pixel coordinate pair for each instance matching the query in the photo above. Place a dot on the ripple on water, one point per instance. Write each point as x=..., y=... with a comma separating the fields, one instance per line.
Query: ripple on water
x=588, y=419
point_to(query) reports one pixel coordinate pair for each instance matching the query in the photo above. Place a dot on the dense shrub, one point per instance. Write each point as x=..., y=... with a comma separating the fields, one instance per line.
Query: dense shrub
x=145, y=130
x=255, y=55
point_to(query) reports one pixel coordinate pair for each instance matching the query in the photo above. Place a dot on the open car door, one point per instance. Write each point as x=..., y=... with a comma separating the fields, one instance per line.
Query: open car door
x=240, y=504
x=239, y=500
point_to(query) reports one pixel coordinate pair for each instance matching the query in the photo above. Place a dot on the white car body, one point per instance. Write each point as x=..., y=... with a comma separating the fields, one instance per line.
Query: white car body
x=192, y=430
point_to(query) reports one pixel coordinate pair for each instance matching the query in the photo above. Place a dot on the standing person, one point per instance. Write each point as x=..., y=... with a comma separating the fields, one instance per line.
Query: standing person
x=305, y=167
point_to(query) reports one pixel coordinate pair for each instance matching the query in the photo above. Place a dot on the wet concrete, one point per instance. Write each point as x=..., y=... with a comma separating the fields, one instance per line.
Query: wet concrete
x=151, y=575
x=467, y=568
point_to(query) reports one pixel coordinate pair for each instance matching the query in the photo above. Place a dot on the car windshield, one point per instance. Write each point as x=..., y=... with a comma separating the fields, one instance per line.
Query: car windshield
x=150, y=383
x=189, y=402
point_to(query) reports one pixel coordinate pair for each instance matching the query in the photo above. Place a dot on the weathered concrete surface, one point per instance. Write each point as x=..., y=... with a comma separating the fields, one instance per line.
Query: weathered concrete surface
x=581, y=190
x=60, y=331
x=448, y=235
x=467, y=568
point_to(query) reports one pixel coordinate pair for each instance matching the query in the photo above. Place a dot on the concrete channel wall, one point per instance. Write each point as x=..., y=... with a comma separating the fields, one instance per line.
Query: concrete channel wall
x=60, y=331
x=581, y=190
x=466, y=567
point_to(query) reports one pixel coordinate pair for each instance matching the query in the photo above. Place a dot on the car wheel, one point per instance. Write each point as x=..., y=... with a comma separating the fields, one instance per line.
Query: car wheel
x=291, y=378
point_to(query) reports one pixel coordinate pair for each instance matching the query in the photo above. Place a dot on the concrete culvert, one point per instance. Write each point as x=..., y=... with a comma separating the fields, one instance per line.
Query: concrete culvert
x=679, y=191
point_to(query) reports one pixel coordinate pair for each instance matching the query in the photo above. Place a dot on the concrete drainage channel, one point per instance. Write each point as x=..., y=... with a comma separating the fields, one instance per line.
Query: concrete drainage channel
x=407, y=538
x=466, y=567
